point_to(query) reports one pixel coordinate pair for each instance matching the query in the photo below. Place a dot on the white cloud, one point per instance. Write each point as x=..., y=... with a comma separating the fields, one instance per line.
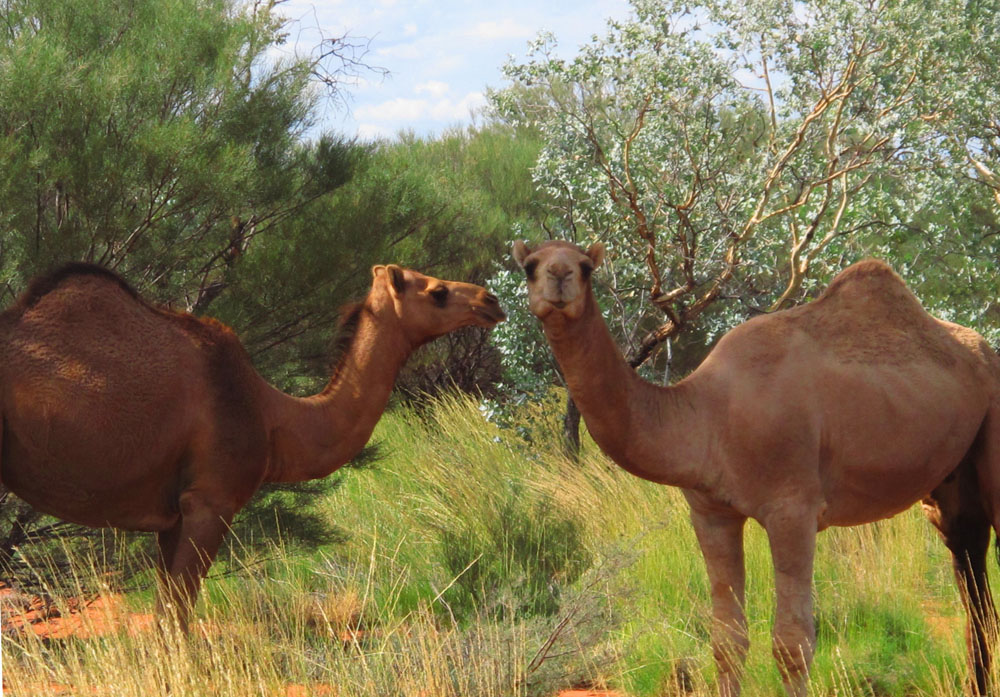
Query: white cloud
x=503, y=29
x=434, y=88
x=406, y=52
x=448, y=111
x=436, y=52
x=399, y=109
x=370, y=131
x=401, y=112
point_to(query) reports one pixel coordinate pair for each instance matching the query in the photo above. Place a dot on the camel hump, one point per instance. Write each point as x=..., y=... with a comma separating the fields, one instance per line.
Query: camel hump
x=872, y=288
x=40, y=286
x=872, y=278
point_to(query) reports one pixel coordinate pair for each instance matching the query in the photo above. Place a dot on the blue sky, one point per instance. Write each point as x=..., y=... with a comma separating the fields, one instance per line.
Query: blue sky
x=441, y=54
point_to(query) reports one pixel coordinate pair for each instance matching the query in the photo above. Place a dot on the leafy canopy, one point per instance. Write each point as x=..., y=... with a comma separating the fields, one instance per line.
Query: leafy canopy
x=733, y=156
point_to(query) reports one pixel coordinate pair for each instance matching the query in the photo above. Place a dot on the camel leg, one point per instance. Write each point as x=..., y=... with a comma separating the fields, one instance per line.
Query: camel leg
x=1, y=448
x=792, y=536
x=956, y=510
x=166, y=543
x=186, y=552
x=721, y=541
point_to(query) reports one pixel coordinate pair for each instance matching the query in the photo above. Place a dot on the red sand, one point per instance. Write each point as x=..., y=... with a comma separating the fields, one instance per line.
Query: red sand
x=97, y=617
x=106, y=614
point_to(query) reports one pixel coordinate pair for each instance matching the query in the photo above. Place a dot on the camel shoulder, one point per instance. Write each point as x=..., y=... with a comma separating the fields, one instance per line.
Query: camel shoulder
x=204, y=331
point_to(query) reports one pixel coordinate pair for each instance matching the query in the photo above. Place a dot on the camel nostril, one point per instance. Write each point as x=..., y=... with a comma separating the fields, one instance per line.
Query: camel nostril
x=490, y=298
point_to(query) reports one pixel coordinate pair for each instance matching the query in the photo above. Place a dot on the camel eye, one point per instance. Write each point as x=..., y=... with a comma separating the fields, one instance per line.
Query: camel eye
x=586, y=268
x=440, y=295
x=529, y=269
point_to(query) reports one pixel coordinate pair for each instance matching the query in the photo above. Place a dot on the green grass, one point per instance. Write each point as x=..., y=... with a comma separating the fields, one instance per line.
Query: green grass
x=480, y=562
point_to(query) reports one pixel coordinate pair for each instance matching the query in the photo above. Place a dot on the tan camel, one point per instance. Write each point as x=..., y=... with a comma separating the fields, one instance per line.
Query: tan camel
x=117, y=413
x=843, y=411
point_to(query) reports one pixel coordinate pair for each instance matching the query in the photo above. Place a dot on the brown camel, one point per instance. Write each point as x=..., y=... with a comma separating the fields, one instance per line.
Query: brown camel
x=840, y=412
x=116, y=413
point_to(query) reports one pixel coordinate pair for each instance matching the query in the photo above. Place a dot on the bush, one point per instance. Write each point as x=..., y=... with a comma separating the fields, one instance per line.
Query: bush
x=516, y=559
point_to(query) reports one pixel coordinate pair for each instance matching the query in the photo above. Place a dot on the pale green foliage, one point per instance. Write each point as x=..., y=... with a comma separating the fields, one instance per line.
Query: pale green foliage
x=735, y=155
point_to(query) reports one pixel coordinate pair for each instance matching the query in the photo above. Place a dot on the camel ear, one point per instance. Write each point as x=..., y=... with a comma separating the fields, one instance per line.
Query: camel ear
x=520, y=252
x=395, y=273
x=596, y=253
x=397, y=278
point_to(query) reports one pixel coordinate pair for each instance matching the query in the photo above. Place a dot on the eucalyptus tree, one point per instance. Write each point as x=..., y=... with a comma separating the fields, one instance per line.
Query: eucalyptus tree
x=950, y=244
x=731, y=154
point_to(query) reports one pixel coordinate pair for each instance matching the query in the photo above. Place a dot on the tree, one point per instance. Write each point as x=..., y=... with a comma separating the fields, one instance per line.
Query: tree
x=732, y=156
x=158, y=139
x=467, y=189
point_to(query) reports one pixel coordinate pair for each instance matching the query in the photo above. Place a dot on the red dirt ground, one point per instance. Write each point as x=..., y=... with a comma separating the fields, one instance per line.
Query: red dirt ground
x=105, y=615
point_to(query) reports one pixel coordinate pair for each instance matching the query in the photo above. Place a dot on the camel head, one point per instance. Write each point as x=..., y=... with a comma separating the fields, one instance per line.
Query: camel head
x=429, y=307
x=558, y=276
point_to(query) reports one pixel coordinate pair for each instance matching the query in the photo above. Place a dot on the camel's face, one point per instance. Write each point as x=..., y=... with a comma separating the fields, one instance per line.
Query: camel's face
x=558, y=276
x=429, y=307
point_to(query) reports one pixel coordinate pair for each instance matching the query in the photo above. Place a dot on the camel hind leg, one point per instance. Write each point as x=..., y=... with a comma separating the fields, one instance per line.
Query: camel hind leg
x=957, y=510
x=187, y=550
x=2, y=427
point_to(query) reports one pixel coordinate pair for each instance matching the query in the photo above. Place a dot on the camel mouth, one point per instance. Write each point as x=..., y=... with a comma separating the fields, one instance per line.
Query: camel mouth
x=492, y=315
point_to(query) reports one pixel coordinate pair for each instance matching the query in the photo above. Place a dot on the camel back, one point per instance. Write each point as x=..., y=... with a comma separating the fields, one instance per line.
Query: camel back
x=869, y=315
x=228, y=362
x=40, y=286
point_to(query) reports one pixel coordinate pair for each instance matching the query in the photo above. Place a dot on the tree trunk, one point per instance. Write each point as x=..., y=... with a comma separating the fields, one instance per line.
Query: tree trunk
x=571, y=429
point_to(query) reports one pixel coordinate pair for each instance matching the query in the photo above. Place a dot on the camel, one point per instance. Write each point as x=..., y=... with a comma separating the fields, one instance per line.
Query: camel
x=117, y=413
x=842, y=411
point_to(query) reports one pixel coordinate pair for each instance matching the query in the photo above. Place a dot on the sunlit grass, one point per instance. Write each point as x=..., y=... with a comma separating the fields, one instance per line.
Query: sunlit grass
x=482, y=562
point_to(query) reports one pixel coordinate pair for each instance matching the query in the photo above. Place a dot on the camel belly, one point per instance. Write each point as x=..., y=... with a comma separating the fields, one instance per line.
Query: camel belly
x=893, y=446
x=82, y=457
x=80, y=489
x=860, y=442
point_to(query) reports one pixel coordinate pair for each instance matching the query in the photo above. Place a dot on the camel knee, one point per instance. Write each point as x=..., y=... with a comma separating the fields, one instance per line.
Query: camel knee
x=793, y=660
x=730, y=647
x=793, y=649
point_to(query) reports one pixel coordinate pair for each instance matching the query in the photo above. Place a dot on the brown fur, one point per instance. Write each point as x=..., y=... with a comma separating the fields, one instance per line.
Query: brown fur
x=839, y=412
x=115, y=412
x=347, y=330
x=41, y=286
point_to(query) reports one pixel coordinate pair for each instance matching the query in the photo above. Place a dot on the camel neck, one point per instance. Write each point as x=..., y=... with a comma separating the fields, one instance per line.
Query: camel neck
x=644, y=428
x=313, y=436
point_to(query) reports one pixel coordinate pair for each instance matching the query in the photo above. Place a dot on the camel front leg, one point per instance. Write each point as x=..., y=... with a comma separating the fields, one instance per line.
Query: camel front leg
x=792, y=536
x=721, y=541
x=186, y=552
